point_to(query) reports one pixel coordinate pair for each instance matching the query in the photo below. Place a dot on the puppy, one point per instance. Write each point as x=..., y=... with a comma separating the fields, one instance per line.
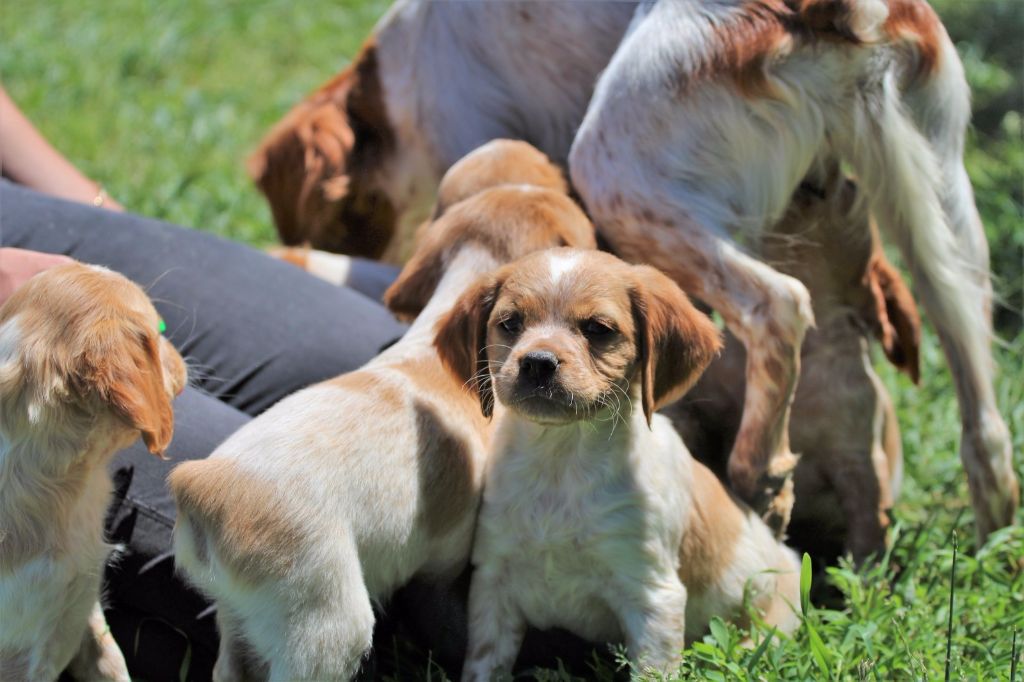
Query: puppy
x=595, y=518
x=83, y=372
x=843, y=422
x=343, y=492
x=704, y=123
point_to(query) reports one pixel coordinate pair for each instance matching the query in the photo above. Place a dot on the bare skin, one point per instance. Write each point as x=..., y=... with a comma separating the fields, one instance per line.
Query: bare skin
x=27, y=158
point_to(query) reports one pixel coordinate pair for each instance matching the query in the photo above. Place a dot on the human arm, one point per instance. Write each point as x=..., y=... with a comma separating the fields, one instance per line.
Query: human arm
x=29, y=159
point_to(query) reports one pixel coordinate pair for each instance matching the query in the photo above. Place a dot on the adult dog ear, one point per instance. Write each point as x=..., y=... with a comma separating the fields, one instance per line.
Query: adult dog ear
x=897, y=319
x=301, y=168
x=461, y=339
x=128, y=375
x=675, y=341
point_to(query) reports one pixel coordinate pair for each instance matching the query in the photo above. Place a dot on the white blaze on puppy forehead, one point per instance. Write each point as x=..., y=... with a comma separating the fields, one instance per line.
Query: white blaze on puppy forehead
x=561, y=264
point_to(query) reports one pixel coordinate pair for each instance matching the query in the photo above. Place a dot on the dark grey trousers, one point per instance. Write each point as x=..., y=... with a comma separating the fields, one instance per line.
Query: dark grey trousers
x=252, y=330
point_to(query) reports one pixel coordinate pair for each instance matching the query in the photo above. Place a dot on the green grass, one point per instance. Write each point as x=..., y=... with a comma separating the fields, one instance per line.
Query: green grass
x=162, y=101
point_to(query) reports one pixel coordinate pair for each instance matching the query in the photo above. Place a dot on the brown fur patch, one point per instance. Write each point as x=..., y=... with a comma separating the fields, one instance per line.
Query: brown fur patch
x=461, y=338
x=508, y=221
x=709, y=543
x=446, y=469
x=675, y=341
x=896, y=316
x=764, y=31
x=915, y=23
x=295, y=255
x=319, y=166
x=499, y=162
x=250, y=533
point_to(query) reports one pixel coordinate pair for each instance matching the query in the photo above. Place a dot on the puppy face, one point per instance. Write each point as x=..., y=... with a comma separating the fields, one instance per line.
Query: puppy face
x=322, y=166
x=566, y=334
x=81, y=345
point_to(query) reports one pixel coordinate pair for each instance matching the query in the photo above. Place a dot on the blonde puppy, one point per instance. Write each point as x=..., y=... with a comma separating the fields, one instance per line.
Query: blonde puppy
x=595, y=517
x=343, y=492
x=83, y=372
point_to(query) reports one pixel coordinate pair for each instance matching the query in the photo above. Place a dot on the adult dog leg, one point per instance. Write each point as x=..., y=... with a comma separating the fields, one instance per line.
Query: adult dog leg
x=769, y=312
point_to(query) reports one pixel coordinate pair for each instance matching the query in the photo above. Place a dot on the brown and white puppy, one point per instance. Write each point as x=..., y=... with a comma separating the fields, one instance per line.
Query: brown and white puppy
x=355, y=166
x=595, y=517
x=843, y=422
x=705, y=122
x=83, y=372
x=343, y=492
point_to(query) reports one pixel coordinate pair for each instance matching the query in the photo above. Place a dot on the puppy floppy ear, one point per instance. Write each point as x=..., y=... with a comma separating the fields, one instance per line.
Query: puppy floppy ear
x=898, y=322
x=408, y=295
x=129, y=377
x=675, y=341
x=461, y=339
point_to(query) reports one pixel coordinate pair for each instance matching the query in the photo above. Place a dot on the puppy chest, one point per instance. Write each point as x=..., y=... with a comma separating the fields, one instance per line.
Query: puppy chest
x=563, y=586
x=562, y=557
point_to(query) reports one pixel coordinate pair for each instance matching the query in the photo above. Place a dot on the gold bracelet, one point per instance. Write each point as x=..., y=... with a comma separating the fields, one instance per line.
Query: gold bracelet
x=100, y=198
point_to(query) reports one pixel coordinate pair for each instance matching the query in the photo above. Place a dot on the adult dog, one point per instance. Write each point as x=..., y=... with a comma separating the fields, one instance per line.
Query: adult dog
x=707, y=119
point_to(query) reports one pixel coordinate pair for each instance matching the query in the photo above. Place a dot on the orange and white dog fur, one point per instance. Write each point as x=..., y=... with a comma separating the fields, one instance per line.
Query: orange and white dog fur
x=844, y=422
x=83, y=371
x=344, y=491
x=595, y=518
x=354, y=168
x=708, y=117
x=706, y=120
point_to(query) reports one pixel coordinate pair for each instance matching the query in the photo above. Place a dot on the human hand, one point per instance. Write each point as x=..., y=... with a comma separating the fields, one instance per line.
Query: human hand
x=17, y=266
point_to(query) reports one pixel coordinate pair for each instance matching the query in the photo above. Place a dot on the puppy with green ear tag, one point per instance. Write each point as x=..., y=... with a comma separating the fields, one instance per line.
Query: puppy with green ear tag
x=595, y=517
x=84, y=372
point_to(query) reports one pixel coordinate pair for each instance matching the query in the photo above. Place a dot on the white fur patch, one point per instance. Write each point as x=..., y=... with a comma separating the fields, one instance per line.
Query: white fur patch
x=331, y=267
x=560, y=265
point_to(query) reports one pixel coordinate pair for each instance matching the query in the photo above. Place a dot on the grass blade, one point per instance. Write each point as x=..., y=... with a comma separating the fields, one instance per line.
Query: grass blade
x=1013, y=657
x=805, y=584
x=763, y=646
x=952, y=592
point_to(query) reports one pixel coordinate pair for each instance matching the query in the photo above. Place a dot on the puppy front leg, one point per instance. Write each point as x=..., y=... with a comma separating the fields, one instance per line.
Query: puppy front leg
x=654, y=623
x=496, y=629
x=98, y=657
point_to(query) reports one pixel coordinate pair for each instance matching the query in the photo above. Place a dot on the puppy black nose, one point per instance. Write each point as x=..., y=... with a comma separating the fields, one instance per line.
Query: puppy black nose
x=538, y=366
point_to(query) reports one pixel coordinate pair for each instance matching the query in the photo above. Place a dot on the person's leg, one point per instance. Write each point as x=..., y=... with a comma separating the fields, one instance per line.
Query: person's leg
x=254, y=329
x=161, y=624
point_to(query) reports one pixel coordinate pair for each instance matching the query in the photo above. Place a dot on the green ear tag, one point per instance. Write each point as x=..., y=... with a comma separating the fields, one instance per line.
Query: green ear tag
x=162, y=327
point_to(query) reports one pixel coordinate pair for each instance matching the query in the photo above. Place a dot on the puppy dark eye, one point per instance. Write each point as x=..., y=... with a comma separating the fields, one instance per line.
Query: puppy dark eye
x=594, y=328
x=511, y=324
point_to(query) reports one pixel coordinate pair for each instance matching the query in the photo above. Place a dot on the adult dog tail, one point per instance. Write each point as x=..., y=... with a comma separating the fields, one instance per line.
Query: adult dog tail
x=904, y=138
